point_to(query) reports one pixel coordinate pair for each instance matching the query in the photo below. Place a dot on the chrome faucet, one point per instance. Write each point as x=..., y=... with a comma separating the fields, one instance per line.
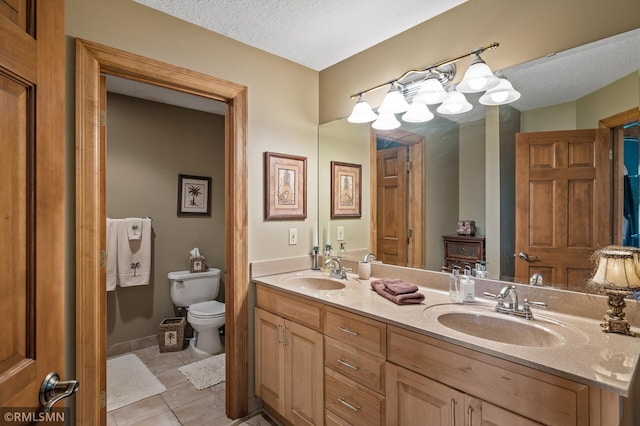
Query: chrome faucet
x=336, y=270
x=368, y=257
x=509, y=294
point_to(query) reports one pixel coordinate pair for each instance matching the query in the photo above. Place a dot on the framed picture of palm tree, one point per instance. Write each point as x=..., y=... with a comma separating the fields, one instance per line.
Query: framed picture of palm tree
x=194, y=195
x=285, y=186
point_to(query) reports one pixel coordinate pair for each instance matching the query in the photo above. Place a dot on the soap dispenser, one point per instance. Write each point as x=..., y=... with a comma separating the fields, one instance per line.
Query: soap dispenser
x=468, y=286
x=455, y=291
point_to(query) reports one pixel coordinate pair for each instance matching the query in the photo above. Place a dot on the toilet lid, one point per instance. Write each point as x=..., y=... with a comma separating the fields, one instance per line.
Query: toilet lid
x=211, y=308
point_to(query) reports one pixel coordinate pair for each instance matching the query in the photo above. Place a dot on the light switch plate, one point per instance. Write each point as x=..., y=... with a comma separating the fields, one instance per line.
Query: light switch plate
x=340, y=233
x=293, y=236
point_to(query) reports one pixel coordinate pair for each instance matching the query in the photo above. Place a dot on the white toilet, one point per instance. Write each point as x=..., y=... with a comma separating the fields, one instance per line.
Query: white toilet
x=196, y=292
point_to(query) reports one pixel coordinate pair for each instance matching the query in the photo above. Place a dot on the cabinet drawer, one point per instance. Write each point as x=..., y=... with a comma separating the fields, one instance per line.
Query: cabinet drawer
x=463, y=250
x=531, y=393
x=290, y=307
x=358, y=331
x=332, y=419
x=351, y=401
x=354, y=363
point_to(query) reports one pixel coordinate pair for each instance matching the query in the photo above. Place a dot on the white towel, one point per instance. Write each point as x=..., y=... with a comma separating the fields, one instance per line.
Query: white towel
x=134, y=256
x=112, y=250
x=134, y=228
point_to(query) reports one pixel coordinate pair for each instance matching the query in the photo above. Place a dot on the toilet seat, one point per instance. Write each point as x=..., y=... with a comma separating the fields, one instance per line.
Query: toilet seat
x=209, y=309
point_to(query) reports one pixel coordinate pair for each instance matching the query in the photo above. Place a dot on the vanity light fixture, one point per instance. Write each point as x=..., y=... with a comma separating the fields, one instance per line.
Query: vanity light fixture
x=415, y=89
x=617, y=275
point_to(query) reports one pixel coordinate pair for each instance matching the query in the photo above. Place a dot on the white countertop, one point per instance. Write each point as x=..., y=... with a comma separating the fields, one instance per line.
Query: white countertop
x=582, y=353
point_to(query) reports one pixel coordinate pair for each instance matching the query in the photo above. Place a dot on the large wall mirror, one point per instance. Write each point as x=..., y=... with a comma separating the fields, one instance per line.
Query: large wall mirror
x=467, y=166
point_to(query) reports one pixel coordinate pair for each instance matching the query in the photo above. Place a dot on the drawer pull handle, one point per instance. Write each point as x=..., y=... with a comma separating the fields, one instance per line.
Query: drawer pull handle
x=470, y=415
x=453, y=412
x=346, y=364
x=346, y=404
x=345, y=330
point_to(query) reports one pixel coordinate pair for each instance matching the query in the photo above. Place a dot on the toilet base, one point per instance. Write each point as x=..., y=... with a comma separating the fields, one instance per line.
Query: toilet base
x=206, y=343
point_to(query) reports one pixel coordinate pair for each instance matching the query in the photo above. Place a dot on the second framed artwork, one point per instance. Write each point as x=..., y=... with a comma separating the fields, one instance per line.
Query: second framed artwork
x=346, y=189
x=194, y=195
x=285, y=180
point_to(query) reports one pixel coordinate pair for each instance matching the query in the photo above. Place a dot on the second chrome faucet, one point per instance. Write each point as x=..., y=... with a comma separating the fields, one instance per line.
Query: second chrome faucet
x=508, y=303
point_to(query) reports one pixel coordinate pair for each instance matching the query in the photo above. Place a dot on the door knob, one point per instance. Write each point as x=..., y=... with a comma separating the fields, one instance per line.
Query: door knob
x=524, y=256
x=53, y=390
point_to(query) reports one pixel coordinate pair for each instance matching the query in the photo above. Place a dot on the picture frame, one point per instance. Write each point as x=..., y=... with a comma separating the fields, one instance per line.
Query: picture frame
x=194, y=195
x=346, y=190
x=285, y=186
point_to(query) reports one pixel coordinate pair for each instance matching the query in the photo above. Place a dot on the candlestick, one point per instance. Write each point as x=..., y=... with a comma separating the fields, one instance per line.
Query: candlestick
x=328, y=233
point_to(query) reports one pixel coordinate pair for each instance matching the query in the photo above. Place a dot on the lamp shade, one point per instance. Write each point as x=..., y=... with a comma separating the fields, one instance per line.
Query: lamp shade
x=617, y=269
x=431, y=92
x=386, y=121
x=417, y=113
x=478, y=77
x=456, y=103
x=501, y=94
x=362, y=112
x=393, y=102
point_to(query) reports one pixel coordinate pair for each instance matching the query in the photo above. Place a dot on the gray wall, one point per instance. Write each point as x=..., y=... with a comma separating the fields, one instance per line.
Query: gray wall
x=148, y=145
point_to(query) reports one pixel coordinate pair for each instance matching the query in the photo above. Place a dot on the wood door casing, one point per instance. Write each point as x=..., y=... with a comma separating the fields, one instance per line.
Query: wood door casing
x=31, y=197
x=563, y=204
x=93, y=59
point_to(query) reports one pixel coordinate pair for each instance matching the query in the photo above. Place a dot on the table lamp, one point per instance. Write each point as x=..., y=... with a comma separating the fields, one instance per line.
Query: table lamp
x=617, y=275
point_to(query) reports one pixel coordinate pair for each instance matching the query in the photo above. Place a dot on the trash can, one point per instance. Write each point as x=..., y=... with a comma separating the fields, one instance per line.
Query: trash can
x=171, y=334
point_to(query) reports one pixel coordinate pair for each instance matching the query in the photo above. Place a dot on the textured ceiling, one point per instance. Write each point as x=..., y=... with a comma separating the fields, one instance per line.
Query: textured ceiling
x=313, y=33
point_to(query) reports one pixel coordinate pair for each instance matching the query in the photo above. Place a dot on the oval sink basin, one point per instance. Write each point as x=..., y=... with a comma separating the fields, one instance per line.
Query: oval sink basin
x=481, y=321
x=501, y=330
x=315, y=282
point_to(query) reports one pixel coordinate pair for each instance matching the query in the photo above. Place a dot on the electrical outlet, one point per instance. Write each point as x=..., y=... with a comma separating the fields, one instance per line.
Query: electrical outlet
x=340, y=233
x=293, y=236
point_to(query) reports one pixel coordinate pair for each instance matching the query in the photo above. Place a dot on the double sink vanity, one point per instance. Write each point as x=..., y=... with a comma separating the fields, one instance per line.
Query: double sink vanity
x=332, y=351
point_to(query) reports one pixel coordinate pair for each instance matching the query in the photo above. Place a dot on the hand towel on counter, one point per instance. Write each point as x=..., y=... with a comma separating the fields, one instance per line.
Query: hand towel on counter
x=399, y=299
x=134, y=256
x=112, y=251
x=397, y=286
x=134, y=228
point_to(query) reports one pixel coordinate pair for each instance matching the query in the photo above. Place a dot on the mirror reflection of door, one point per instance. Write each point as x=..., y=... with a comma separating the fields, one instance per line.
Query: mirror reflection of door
x=563, y=214
x=398, y=207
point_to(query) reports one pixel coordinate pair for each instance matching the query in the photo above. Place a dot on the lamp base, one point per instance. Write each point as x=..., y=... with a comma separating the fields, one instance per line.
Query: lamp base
x=615, y=321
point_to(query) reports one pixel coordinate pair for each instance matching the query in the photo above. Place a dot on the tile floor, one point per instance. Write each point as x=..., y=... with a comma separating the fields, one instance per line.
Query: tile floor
x=181, y=403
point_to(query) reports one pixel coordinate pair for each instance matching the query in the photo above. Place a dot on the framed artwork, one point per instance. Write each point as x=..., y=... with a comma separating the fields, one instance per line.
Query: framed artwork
x=285, y=186
x=194, y=195
x=346, y=189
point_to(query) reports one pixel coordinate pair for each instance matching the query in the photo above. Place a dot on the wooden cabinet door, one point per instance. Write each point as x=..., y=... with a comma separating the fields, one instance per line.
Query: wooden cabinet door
x=32, y=224
x=303, y=371
x=269, y=359
x=414, y=400
x=481, y=413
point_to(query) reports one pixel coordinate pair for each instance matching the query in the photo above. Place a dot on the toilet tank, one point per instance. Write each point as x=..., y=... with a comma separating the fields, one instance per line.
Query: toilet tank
x=188, y=288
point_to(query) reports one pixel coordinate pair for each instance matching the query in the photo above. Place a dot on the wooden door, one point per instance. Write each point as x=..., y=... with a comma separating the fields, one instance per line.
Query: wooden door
x=304, y=390
x=269, y=359
x=413, y=399
x=32, y=241
x=391, y=178
x=563, y=204
x=481, y=413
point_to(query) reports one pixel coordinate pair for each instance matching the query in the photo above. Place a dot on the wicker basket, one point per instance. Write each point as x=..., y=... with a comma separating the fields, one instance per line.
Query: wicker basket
x=171, y=334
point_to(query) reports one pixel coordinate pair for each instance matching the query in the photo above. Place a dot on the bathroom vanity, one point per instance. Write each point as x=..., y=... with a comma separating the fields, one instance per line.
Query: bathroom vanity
x=333, y=352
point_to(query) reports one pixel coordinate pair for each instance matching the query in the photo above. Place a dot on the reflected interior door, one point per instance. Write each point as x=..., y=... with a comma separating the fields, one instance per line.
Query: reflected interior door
x=563, y=204
x=391, y=215
x=31, y=197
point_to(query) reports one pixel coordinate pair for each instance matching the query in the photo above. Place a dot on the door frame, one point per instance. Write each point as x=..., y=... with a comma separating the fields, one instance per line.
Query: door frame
x=92, y=60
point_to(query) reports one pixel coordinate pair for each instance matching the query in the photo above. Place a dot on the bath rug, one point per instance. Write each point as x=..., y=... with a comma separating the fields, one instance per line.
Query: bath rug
x=206, y=372
x=129, y=381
